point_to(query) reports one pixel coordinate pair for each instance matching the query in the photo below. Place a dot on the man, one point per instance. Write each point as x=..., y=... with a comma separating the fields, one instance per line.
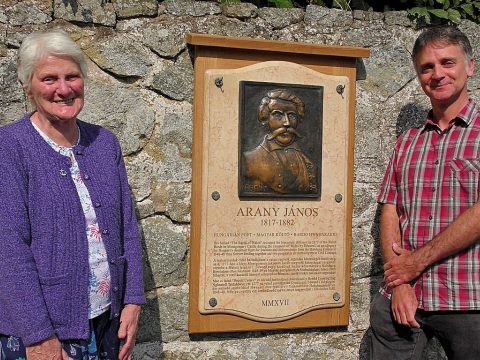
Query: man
x=429, y=225
x=278, y=165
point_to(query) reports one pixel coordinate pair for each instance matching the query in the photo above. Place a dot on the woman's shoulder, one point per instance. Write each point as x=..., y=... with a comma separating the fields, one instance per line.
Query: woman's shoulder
x=96, y=132
x=11, y=133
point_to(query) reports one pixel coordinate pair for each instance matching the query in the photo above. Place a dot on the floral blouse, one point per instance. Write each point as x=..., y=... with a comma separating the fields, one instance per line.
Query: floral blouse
x=99, y=274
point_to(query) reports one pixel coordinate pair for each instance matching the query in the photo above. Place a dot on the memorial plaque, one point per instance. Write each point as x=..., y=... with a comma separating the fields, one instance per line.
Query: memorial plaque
x=272, y=183
x=269, y=254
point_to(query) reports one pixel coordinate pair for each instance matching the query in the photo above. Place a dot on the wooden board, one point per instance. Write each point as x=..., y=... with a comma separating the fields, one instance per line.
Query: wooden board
x=226, y=53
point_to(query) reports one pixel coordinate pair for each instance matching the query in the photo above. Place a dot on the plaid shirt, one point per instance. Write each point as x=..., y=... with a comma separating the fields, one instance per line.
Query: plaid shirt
x=433, y=177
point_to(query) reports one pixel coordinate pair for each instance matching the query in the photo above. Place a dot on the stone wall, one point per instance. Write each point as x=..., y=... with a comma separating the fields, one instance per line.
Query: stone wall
x=141, y=87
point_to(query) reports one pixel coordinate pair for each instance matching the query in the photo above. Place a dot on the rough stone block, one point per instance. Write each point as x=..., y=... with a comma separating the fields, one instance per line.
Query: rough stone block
x=165, y=252
x=86, y=11
x=191, y=7
x=132, y=8
x=280, y=18
x=239, y=10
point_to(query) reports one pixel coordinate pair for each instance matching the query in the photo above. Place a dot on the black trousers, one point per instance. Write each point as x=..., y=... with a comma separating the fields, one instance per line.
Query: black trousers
x=457, y=331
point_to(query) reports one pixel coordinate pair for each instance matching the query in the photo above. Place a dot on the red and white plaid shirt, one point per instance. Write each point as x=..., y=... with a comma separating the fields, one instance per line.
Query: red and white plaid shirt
x=433, y=177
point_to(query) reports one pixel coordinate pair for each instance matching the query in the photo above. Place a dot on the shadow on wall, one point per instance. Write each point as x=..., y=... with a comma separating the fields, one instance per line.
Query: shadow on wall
x=149, y=328
x=411, y=115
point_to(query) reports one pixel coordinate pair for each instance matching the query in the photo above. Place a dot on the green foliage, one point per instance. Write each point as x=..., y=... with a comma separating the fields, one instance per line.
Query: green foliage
x=446, y=11
x=283, y=4
x=431, y=11
x=342, y=4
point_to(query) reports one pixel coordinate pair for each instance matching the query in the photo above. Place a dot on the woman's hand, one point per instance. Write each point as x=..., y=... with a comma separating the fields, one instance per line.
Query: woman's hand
x=128, y=330
x=49, y=349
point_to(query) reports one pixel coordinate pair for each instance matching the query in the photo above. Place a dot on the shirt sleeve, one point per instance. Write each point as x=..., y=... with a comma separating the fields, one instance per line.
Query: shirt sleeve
x=134, y=288
x=21, y=298
x=388, y=188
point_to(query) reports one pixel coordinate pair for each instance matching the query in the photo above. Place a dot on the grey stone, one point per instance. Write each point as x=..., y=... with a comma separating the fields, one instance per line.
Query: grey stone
x=132, y=8
x=216, y=25
x=172, y=199
x=175, y=80
x=165, y=252
x=167, y=38
x=239, y=10
x=120, y=109
x=280, y=18
x=12, y=100
x=322, y=16
x=367, y=15
x=140, y=169
x=26, y=12
x=171, y=143
x=388, y=69
x=191, y=7
x=121, y=55
x=398, y=18
x=165, y=313
x=85, y=11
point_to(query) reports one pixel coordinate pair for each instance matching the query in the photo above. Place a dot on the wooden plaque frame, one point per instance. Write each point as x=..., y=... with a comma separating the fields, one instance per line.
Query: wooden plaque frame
x=218, y=52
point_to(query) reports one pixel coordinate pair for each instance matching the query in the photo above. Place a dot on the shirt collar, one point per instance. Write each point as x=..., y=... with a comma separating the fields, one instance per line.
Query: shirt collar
x=466, y=116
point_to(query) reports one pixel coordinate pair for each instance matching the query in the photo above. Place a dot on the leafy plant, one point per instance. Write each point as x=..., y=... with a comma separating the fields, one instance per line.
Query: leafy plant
x=450, y=11
x=342, y=4
x=283, y=4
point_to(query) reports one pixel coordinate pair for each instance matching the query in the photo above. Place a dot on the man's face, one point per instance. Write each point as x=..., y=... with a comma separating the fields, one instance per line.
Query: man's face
x=282, y=121
x=443, y=70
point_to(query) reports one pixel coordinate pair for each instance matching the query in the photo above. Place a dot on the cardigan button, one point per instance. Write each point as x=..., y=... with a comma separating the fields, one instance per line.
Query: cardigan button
x=105, y=231
x=115, y=289
x=86, y=177
x=97, y=204
x=116, y=315
x=63, y=172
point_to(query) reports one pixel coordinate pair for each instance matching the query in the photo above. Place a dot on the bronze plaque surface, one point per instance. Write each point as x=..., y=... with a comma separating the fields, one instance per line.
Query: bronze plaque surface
x=280, y=140
x=265, y=254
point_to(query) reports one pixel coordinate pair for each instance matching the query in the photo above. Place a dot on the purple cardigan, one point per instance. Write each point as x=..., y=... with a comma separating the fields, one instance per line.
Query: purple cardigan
x=43, y=243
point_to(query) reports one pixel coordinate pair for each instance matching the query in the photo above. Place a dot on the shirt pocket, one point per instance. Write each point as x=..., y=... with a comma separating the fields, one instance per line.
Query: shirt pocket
x=55, y=294
x=464, y=181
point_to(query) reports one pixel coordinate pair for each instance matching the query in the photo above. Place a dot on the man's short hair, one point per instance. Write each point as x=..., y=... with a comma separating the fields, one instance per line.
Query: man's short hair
x=282, y=94
x=448, y=35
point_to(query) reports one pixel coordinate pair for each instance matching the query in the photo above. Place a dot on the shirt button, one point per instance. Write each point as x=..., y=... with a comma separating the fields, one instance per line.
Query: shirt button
x=105, y=231
x=430, y=217
x=433, y=189
x=279, y=186
x=86, y=177
x=436, y=162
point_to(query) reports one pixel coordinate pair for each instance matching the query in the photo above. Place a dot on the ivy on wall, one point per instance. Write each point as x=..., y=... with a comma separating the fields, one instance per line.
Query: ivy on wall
x=437, y=11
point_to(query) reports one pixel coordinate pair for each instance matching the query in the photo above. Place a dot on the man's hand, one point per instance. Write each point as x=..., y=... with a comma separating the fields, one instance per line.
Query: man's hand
x=403, y=268
x=128, y=330
x=49, y=349
x=404, y=305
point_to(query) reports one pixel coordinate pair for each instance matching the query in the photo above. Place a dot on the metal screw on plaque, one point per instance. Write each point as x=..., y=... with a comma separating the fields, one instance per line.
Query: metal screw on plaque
x=338, y=198
x=219, y=82
x=336, y=296
x=340, y=89
x=215, y=195
x=212, y=302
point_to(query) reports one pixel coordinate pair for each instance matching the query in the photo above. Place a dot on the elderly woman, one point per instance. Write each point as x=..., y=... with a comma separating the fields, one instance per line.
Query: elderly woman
x=70, y=255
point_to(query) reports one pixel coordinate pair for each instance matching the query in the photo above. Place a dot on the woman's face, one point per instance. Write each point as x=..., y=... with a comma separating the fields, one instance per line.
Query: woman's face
x=57, y=88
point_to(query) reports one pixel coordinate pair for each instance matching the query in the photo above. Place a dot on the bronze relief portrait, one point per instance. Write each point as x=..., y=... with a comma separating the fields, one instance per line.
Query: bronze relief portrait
x=280, y=140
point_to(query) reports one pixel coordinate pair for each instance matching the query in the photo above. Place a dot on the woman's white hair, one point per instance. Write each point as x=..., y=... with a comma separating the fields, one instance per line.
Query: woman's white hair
x=39, y=45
